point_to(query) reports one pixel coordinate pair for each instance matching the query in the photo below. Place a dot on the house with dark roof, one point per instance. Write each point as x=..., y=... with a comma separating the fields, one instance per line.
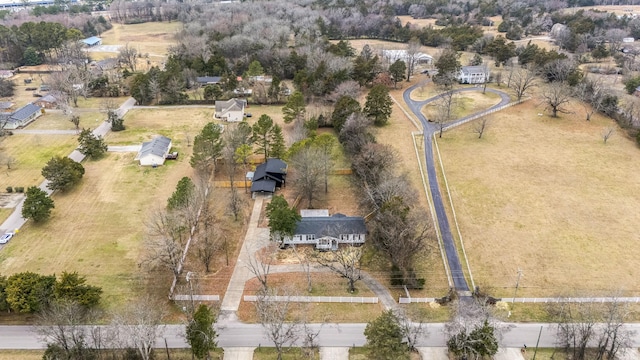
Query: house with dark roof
x=269, y=176
x=47, y=102
x=208, y=80
x=230, y=110
x=328, y=232
x=22, y=117
x=478, y=74
x=154, y=152
x=92, y=41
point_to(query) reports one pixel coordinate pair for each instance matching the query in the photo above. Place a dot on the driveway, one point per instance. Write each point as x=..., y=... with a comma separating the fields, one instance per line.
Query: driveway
x=125, y=148
x=453, y=260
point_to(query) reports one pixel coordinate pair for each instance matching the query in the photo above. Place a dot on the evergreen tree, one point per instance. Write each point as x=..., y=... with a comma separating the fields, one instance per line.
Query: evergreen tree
x=200, y=333
x=345, y=106
x=282, y=218
x=90, y=145
x=261, y=131
x=73, y=287
x=294, y=109
x=62, y=173
x=207, y=146
x=181, y=197
x=378, y=105
x=37, y=205
x=278, y=148
x=384, y=338
x=397, y=70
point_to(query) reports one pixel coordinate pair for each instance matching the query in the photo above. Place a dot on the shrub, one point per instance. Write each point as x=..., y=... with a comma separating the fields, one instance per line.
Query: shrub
x=9, y=189
x=19, y=189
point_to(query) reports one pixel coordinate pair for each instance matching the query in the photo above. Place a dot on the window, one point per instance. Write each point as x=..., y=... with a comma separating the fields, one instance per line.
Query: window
x=311, y=237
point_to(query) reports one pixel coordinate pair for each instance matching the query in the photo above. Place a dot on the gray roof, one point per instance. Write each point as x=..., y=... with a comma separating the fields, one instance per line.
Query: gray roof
x=6, y=105
x=333, y=226
x=25, y=112
x=474, y=69
x=208, y=79
x=224, y=107
x=48, y=98
x=91, y=40
x=158, y=146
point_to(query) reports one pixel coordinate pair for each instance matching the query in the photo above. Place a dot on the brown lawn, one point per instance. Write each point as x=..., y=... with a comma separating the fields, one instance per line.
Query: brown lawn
x=548, y=197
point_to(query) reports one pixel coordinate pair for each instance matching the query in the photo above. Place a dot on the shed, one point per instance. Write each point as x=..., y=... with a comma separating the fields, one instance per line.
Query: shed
x=154, y=152
x=23, y=116
x=92, y=41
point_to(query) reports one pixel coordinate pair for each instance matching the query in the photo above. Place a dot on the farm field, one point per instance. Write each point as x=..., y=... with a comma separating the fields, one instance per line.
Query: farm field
x=548, y=197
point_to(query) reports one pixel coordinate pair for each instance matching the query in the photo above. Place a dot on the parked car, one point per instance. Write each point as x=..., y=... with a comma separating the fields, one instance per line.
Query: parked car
x=172, y=156
x=6, y=237
x=248, y=115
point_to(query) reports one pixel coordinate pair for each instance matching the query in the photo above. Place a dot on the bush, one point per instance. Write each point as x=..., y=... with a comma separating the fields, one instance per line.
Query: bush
x=631, y=84
x=9, y=189
x=19, y=189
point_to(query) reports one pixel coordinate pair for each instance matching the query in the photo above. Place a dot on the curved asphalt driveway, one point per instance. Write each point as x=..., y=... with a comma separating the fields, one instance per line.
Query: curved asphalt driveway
x=459, y=281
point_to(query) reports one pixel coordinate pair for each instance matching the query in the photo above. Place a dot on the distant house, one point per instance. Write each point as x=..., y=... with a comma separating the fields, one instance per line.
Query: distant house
x=47, y=102
x=393, y=55
x=22, y=117
x=5, y=74
x=6, y=105
x=269, y=176
x=208, y=80
x=154, y=152
x=474, y=74
x=92, y=41
x=261, y=78
x=628, y=40
x=230, y=110
x=328, y=232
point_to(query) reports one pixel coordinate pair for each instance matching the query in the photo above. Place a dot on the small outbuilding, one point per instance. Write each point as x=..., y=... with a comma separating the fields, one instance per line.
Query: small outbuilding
x=208, y=80
x=269, y=176
x=230, y=110
x=154, y=152
x=22, y=117
x=92, y=41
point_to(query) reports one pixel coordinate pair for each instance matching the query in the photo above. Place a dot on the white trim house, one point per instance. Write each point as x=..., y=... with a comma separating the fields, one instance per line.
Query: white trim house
x=474, y=74
x=231, y=110
x=154, y=152
x=328, y=232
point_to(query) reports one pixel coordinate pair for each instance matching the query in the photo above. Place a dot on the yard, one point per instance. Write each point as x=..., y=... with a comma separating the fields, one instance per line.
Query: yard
x=546, y=196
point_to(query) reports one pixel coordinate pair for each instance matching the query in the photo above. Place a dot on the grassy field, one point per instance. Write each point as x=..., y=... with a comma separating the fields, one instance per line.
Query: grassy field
x=103, y=240
x=464, y=104
x=31, y=152
x=270, y=353
x=548, y=197
x=176, y=354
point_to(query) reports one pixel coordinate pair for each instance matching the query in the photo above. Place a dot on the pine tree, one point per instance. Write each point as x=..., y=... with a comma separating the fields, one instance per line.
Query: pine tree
x=378, y=105
x=37, y=206
x=294, y=108
x=278, y=148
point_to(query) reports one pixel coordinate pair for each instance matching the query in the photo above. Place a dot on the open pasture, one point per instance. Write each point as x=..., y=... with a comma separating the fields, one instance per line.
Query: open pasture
x=548, y=197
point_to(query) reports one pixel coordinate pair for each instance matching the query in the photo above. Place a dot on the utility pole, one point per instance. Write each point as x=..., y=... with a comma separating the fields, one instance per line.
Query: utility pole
x=517, y=284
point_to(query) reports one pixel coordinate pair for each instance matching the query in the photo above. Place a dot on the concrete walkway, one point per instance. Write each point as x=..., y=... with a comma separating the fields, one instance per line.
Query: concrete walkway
x=255, y=239
x=509, y=354
x=238, y=353
x=334, y=353
x=433, y=353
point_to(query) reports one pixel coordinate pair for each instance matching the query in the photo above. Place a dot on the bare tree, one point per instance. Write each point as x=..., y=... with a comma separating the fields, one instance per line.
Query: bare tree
x=167, y=233
x=522, y=81
x=235, y=204
x=612, y=334
x=413, y=49
x=63, y=324
x=307, y=175
x=345, y=262
x=138, y=326
x=9, y=161
x=591, y=94
x=607, y=133
x=413, y=331
x=209, y=242
x=260, y=263
x=576, y=326
x=108, y=106
x=305, y=262
x=272, y=315
x=444, y=106
x=128, y=57
x=75, y=120
x=556, y=96
x=480, y=126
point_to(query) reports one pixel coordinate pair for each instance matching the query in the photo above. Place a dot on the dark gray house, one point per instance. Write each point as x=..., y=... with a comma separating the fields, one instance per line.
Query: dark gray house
x=208, y=80
x=269, y=176
x=328, y=232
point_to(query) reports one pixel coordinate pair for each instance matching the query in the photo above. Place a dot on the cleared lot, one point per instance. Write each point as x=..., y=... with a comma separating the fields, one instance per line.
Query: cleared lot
x=548, y=197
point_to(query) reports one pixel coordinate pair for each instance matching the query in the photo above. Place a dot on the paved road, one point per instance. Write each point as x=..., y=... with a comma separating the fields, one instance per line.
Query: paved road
x=15, y=221
x=429, y=129
x=331, y=335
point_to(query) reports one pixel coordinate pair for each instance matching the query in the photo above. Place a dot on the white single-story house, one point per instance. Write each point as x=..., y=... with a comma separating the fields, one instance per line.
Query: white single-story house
x=22, y=117
x=230, y=110
x=474, y=74
x=92, y=41
x=154, y=152
x=328, y=232
x=393, y=55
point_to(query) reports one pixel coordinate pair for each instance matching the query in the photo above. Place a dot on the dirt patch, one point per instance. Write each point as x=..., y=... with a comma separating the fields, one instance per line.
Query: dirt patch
x=10, y=201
